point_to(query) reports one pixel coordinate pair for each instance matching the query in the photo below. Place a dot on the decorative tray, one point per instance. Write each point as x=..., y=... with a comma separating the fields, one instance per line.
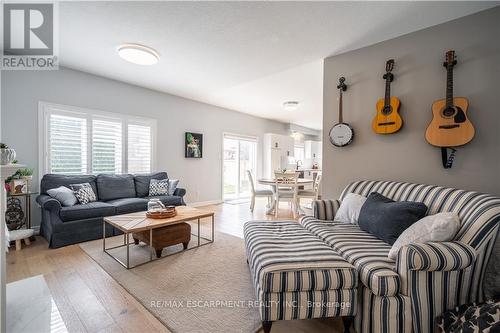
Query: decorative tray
x=162, y=214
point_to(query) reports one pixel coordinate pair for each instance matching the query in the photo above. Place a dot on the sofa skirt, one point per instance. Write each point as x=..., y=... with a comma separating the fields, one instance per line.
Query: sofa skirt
x=382, y=314
x=307, y=304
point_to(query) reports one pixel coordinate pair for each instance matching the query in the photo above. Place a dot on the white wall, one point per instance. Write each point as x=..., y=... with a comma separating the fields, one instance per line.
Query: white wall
x=420, y=79
x=22, y=90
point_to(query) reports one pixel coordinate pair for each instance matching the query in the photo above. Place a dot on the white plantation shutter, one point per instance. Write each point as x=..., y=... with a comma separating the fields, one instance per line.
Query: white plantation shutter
x=67, y=144
x=106, y=146
x=139, y=148
x=81, y=141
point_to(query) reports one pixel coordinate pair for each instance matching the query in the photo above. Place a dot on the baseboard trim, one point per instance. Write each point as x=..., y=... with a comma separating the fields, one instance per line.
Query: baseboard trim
x=37, y=229
x=204, y=203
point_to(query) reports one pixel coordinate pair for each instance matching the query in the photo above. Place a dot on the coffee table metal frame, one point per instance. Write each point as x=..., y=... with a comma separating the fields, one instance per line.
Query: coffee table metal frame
x=127, y=243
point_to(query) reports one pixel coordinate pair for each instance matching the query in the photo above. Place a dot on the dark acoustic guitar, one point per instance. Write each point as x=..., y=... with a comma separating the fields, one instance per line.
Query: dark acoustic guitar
x=450, y=126
x=388, y=120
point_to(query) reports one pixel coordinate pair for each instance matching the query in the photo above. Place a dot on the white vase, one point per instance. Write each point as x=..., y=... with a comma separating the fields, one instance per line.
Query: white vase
x=7, y=155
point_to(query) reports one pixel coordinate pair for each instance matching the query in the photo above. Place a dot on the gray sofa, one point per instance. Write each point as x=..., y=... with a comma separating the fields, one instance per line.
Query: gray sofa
x=116, y=194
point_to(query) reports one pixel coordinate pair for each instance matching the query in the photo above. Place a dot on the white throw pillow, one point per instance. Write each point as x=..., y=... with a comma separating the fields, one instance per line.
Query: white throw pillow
x=440, y=227
x=172, y=186
x=348, y=211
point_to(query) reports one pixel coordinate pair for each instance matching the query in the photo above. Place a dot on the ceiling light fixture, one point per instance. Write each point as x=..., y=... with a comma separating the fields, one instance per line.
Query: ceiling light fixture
x=138, y=54
x=291, y=105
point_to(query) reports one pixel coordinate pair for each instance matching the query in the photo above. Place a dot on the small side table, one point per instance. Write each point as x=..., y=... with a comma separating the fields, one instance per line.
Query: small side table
x=27, y=207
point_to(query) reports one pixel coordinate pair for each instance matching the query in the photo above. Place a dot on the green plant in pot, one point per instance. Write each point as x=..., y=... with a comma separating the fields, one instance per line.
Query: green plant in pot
x=7, y=155
x=26, y=173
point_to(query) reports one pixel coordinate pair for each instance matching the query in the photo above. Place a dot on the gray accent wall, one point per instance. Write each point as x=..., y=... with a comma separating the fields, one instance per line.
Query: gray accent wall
x=22, y=90
x=420, y=79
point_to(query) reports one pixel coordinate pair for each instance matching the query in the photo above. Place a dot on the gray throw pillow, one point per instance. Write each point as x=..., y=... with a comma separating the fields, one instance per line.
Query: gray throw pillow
x=64, y=195
x=158, y=187
x=172, y=186
x=84, y=193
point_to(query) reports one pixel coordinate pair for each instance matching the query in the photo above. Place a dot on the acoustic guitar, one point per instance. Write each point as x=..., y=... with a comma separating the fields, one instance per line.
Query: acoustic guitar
x=450, y=126
x=388, y=120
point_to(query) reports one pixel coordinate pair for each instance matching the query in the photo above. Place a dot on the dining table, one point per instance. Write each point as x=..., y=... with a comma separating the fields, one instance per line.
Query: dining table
x=272, y=183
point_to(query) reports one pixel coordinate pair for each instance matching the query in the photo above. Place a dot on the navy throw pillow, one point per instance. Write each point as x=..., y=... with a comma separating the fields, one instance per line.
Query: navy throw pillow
x=386, y=219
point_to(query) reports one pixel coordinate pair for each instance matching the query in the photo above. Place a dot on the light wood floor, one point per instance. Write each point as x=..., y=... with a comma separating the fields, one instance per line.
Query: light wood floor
x=90, y=300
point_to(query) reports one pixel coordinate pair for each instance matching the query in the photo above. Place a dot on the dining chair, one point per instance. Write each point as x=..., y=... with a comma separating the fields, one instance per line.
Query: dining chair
x=310, y=193
x=258, y=193
x=286, y=190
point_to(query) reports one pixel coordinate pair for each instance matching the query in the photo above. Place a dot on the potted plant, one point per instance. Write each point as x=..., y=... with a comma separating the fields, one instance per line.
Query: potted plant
x=7, y=155
x=23, y=177
x=25, y=173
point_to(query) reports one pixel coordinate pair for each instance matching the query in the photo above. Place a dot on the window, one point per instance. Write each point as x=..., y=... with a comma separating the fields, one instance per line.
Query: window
x=139, y=152
x=68, y=144
x=298, y=153
x=80, y=141
x=106, y=146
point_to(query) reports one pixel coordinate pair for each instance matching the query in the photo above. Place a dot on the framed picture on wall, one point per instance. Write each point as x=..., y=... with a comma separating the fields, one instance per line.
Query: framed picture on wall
x=193, y=145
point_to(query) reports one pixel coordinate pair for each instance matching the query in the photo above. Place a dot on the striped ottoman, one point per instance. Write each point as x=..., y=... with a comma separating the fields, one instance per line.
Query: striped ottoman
x=296, y=275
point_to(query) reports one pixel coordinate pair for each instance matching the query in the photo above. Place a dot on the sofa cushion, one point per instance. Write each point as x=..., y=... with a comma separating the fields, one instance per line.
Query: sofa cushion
x=142, y=182
x=64, y=195
x=172, y=186
x=90, y=210
x=83, y=193
x=168, y=200
x=440, y=227
x=387, y=219
x=111, y=187
x=158, y=187
x=349, y=209
x=129, y=205
x=366, y=252
x=285, y=257
x=50, y=181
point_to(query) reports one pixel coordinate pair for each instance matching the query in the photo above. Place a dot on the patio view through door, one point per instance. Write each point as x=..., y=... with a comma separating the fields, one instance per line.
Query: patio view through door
x=239, y=155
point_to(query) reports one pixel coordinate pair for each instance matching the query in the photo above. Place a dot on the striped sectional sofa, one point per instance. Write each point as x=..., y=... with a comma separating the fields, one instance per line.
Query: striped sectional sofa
x=426, y=279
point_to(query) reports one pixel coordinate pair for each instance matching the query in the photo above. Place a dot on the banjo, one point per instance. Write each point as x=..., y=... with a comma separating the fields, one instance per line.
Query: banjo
x=341, y=133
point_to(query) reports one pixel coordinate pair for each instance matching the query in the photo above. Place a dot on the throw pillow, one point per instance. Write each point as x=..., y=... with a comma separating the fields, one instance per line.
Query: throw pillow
x=386, y=219
x=84, y=193
x=349, y=208
x=172, y=186
x=64, y=195
x=158, y=187
x=440, y=227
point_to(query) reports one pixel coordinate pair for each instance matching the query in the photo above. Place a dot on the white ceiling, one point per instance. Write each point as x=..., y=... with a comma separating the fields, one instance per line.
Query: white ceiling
x=246, y=56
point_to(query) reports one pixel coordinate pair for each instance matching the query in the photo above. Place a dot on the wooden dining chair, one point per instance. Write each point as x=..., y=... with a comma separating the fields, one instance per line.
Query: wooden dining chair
x=286, y=190
x=310, y=193
x=258, y=193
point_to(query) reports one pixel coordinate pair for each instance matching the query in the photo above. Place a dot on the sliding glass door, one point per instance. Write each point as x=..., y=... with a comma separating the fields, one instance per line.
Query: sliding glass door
x=240, y=155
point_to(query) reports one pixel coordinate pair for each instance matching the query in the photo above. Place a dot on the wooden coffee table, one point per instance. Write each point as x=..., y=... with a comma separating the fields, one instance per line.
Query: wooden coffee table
x=138, y=222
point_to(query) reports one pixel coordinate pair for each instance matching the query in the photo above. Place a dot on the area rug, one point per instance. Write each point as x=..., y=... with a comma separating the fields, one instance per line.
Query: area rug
x=207, y=289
